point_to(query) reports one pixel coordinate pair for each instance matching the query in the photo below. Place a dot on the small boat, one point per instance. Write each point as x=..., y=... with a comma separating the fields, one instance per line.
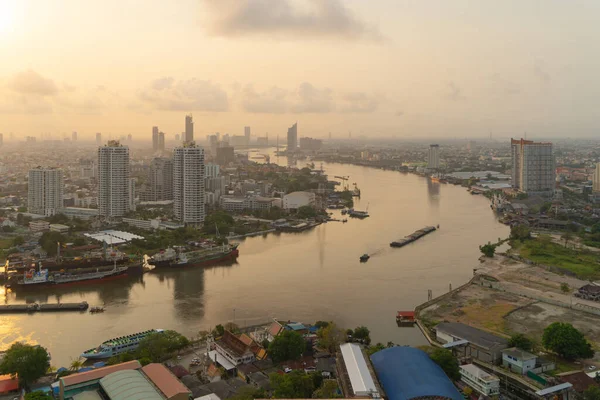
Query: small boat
x=405, y=318
x=365, y=257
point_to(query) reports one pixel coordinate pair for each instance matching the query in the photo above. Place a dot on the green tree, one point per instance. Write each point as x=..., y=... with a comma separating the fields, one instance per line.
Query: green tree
x=249, y=393
x=27, y=362
x=328, y=390
x=159, y=346
x=520, y=341
x=76, y=364
x=306, y=212
x=567, y=237
x=375, y=348
x=520, y=232
x=362, y=333
x=330, y=337
x=566, y=341
x=321, y=324
x=219, y=331
x=445, y=359
x=288, y=345
x=50, y=240
x=18, y=240
x=294, y=385
x=564, y=287
x=488, y=250
x=219, y=219
x=591, y=393
x=38, y=396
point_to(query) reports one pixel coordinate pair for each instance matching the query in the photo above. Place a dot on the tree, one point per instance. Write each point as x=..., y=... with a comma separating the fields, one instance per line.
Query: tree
x=591, y=393
x=321, y=324
x=27, y=362
x=446, y=360
x=49, y=241
x=249, y=393
x=305, y=212
x=329, y=390
x=520, y=232
x=294, y=385
x=564, y=287
x=158, y=346
x=488, y=250
x=38, y=396
x=520, y=341
x=220, y=219
x=566, y=341
x=219, y=330
x=18, y=240
x=288, y=345
x=362, y=333
x=567, y=237
x=76, y=364
x=330, y=337
x=374, y=349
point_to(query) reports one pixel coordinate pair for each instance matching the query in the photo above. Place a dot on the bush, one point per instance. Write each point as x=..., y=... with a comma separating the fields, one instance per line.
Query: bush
x=520, y=341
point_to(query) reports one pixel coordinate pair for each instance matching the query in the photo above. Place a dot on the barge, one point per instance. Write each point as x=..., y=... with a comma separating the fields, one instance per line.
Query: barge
x=413, y=237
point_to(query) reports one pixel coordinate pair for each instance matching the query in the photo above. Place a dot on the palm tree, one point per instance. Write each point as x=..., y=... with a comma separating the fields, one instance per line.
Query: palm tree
x=76, y=364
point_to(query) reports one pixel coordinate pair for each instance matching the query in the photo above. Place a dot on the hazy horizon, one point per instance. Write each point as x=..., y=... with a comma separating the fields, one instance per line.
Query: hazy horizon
x=379, y=69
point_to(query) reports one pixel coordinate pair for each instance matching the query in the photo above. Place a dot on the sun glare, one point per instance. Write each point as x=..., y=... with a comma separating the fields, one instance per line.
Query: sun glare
x=7, y=16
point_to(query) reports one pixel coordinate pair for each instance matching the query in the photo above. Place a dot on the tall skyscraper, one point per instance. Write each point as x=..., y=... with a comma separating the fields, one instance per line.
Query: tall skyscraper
x=45, y=191
x=98, y=138
x=160, y=180
x=74, y=136
x=161, y=141
x=131, y=193
x=596, y=181
x=188, y=184
x=155, y=138
x=177, y=137
x=533, y=167
x=433, y=160
x=113, y=180
x=247, y=134
x=292, y=137
x=189, y=128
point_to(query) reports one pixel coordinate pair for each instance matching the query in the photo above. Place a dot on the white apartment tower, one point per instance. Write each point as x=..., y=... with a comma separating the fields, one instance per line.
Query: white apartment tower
x=45, y=191
x=188, y=184
x=533, y=167
x=596, y=181
x=114, y=186
x=433, y=160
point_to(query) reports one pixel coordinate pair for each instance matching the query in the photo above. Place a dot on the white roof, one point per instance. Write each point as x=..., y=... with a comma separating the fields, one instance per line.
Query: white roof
x=358, y=372
x=479, y=373
x=225, y=363
x=210, y=396
x=113, y=237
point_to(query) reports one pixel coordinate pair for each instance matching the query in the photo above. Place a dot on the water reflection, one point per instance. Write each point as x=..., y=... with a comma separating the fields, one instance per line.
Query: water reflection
x=433, y=192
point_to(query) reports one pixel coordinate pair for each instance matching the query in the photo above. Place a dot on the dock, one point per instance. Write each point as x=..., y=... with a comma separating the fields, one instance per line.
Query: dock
x=413, y=237
x=35, y=307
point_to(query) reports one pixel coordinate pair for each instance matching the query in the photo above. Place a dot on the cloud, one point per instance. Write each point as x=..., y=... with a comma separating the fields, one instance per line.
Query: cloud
x=30, y=82
x=310, y=99
x=21, y=104
x=294, y=19
x=359, y=102
x=185, y=95
x=271, y=101
x=453, y=92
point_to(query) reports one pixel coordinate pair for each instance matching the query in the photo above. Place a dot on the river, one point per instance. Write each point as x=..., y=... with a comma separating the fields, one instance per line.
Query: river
x=308, y=276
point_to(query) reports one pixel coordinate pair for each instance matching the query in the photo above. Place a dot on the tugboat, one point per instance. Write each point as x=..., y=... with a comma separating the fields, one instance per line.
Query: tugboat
x=365, y=257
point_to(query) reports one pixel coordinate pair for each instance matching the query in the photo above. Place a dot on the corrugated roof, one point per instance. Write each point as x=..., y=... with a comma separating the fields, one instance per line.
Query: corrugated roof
x=129, y=385
x=164, y=380
x=358, y=371
x=98, y=373
x=554, y=389
x=476, y=336
x=8, y=384
x=408, y=373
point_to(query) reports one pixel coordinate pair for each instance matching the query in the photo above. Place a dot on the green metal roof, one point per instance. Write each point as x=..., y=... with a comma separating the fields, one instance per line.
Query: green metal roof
x=129, y=385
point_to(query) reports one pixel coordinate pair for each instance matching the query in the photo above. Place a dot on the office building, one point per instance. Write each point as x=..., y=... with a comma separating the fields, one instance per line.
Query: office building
x=160, y=181
x=225, y=155
x=483, y=383
x=247, y=134
x=292, y=137
x=161, y=141
x=155, y=138
x=113, y=180
x=189, y=128
x=533, y=167
x=45, y=191
x=98, y=138
x=74, y=136
x=433, y=160
x=310, y=144
x=188, y=184
x=596, y=179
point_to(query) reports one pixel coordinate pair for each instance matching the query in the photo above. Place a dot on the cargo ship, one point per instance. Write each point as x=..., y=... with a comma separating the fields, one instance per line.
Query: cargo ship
x=415, y=236
x=120, y=345
x=175, y=258
x=96, y=259
x=42, y=278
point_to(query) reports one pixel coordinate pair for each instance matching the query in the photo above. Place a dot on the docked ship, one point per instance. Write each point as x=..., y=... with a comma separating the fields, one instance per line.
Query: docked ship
x=174, y=258
x=358, y=214
x=97, y=259
x=35, y=278
x=499, y=203
x=120, y=345
x=414, y=236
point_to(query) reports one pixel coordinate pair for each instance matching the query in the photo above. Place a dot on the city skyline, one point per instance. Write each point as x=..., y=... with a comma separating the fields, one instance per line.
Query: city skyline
x=429, y=69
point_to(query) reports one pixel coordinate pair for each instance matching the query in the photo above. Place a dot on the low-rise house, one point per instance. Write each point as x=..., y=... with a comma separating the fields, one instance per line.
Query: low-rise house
x=60, y=228
x=473, y=343
x=482, y=382
x=589, y=292
x=580, y=381
x=519, y=361
x=233, y=349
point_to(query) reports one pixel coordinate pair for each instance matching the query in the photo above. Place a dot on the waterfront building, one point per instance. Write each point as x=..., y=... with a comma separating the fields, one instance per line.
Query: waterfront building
x=311, y=144
x=292, y=138
x=160, y=181
x=295, y=200
x=596, y=179
x=467, y=341
x=518, y=361
x=45, y=191
x=230, y=351
x=155, y=138
x=359, y=382
x=114, y=186
x=479, y=380
x=188, y=184
x=189, y=128
x=533, y=169
x=433, y=160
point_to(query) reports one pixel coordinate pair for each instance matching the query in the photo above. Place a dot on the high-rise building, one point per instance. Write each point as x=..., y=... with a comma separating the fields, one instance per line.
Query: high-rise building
x=292, y=137
x=129, y=138
x=113, y=180
x=307, y=143
x=155, y=138
x=45, y=191
x=160, y=180
x=188, y=184
x=532, y=166
x=161, y=141
x=177, y=137
x=225, y=155
x=189, y=128
x=131, y=193
x=74, y=136
x=433, y=160
x=98, y=138
x=211, y=170
x=596, y=181
x=247, y=134
x=1, y=139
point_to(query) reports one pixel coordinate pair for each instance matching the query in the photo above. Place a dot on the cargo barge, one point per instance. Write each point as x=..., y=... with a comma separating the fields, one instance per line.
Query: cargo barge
x=413, y=237
x=35, y=307
x=175, y=258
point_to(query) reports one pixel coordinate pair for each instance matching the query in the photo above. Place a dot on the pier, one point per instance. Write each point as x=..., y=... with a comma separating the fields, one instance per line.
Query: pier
x=35, y=307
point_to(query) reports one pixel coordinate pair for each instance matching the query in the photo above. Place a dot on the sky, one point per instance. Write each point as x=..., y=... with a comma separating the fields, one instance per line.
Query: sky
x=378, y=68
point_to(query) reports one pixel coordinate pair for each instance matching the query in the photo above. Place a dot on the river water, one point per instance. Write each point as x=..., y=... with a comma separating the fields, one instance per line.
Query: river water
x=307, y=276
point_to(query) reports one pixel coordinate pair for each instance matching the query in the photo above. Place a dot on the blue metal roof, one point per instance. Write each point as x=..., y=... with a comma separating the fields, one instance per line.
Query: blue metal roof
x=296, y=326
x=407, y=373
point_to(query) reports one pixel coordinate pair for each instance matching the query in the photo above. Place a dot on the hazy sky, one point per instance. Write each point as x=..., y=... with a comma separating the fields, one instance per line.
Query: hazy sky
x=374, y=67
